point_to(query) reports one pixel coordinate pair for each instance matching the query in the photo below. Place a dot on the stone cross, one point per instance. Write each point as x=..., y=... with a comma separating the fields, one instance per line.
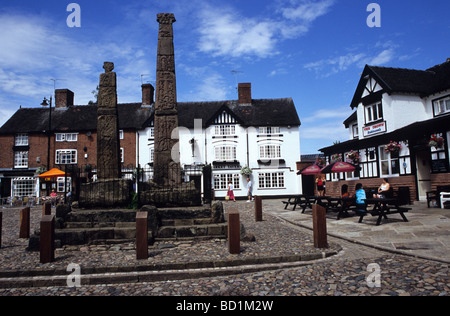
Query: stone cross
x=108, y=147
x=166, y=162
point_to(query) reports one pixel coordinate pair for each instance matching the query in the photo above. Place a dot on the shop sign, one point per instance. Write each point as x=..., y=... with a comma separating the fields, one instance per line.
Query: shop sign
x=374, y=129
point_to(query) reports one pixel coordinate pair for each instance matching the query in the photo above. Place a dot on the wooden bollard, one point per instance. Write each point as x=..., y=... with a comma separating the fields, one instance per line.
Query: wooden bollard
x=47, y=239
x=24, y=229
x=320, y=226
x=47, y=209
x=1, y=221
x=258, y=209
x=234, y=233
x=141, y=235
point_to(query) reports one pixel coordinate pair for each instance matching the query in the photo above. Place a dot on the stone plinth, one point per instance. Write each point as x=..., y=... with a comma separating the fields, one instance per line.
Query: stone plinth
x=106, y=193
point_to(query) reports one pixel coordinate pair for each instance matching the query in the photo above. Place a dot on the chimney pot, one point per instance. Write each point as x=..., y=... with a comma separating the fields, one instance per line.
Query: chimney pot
x=245, y=93
x=147, y=94
x=63, y=98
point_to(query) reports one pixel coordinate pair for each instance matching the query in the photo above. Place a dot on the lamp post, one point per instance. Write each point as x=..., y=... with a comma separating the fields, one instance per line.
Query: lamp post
x=45, y=103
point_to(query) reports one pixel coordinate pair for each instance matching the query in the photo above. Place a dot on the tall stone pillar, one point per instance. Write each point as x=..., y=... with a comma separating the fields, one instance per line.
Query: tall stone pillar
x=108, y=147
x=166, y=162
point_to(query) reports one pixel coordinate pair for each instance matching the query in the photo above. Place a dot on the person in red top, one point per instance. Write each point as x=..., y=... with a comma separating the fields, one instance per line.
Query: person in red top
x=320, y=185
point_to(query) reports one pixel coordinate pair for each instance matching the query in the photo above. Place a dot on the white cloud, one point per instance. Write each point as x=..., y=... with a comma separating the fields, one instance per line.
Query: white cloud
x=327, y=67
x=382, y=58
x=226, y=32
x=34, y=50
x=306, y=10
x=209, y=85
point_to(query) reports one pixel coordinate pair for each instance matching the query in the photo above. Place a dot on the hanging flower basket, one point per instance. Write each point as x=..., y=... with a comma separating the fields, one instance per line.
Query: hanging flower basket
x=246, y=171
x=320, y=162
x=353, y=157
x=336, y=158
x=436, y=141
x=392, y=147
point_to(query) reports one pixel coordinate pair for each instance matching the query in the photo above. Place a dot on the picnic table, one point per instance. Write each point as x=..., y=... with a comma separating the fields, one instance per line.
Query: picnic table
x=335, y=204
x=383, y=207
x=301, y=200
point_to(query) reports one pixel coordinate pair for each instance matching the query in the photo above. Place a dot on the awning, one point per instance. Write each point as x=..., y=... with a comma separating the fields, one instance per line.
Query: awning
x=53, y=173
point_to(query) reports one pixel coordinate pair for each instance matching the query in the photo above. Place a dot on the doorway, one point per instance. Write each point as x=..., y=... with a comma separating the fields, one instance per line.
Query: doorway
x=423, y=167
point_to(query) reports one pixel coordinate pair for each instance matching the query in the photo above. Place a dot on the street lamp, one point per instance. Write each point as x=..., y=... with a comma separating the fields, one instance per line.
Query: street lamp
x=45, y=103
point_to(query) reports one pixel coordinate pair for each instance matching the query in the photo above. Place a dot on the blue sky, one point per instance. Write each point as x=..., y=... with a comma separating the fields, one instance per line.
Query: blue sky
x=311, y=50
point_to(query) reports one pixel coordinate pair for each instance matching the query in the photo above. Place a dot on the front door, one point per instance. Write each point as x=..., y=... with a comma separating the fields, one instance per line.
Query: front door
x=423, y=173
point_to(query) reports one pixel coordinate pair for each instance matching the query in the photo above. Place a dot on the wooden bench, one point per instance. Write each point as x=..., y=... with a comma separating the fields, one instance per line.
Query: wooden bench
x=436, y=195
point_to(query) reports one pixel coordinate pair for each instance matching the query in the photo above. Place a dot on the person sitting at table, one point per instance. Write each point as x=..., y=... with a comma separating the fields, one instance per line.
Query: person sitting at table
x=383, y=190
x=345, y=195
x=360, y=198
x=344, y=191
x=53, y=197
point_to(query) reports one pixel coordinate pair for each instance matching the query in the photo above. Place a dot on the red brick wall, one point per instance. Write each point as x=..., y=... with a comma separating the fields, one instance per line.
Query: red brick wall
x=6, y=152
x=38, y=148
x=439, y=179
x=128, y=143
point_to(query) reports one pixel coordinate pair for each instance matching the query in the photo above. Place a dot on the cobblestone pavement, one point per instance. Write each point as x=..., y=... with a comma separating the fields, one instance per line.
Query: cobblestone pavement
x=352, y=271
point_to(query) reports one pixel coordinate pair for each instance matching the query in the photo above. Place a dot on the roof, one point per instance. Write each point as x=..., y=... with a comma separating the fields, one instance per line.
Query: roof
x=264, y=112
x=73, y=118
x=415, y=133
x=399, y=80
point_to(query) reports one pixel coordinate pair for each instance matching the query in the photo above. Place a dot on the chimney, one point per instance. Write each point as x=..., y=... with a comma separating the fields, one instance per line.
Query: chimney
x=245, y=93
x=63, y=98
x=147, y=94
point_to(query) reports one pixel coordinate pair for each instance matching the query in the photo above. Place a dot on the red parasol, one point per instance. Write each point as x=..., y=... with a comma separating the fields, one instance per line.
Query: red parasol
x=311, y=170
x=339, y=166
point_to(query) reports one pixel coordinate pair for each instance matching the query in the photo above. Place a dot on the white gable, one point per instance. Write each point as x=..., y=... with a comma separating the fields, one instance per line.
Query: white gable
x=225, y=118
x=372, y=86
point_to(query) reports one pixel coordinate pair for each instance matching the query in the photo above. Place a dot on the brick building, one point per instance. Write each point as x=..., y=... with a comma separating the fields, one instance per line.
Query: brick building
x=25, y=142
x=262, y=134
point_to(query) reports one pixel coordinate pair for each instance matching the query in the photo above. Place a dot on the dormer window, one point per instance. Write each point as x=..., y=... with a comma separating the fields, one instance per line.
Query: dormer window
x=374, y=112
x=441, y=106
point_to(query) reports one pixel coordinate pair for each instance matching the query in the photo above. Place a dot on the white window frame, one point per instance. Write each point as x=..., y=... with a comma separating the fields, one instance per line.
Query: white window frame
x=21, y=139
x=355, y=131
x=66, y=137
x=225, y=130
x=60, y=184
x=271, y=180
x=386, y=157
x=372, y=112
x=270, y=151
x=66, y=160
x=441, y=106
x=121, y=134
x=269, y=130
x=21, y=159
x=23, y=186
x=225, y=153
x=221, y=181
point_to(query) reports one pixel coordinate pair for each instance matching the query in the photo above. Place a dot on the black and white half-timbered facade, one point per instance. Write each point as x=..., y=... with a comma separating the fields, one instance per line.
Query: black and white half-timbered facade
x=261, y=134
x=400, y=130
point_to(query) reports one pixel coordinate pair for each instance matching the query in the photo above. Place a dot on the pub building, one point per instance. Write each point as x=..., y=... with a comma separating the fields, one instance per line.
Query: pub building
x=400, y=130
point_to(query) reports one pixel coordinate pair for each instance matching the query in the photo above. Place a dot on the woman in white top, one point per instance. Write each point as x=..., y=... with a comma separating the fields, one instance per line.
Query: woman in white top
x=383, y=190
x=230, y=193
